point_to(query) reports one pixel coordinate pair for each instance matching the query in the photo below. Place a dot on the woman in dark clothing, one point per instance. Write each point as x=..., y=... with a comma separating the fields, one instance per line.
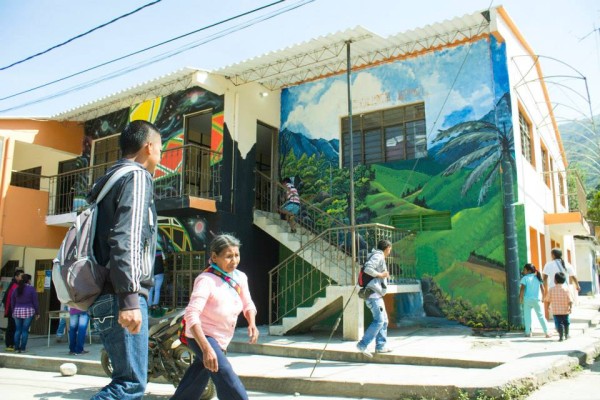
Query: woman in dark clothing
x=24, y=306
x=9, y=336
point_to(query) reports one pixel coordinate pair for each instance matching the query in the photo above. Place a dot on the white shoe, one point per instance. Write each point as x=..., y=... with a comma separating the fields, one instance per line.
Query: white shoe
x=364, y=351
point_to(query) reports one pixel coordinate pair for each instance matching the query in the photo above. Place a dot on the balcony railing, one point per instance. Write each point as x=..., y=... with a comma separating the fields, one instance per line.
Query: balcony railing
x=188, y=170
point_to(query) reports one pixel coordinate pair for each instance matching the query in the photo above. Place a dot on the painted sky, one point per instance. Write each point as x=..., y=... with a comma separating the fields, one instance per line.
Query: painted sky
x=451, y=93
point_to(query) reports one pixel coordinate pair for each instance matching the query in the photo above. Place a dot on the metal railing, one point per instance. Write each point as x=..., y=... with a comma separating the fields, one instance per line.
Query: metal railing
x=188, y=170
x=325, y=254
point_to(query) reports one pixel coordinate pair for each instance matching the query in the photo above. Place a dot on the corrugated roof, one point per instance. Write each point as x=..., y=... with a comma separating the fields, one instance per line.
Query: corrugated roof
x=161, y=86
x=326, y=55
x=306, y=61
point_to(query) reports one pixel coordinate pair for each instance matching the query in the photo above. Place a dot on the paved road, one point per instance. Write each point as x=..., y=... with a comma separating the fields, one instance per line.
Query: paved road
x=20, y=384
x=584, y=385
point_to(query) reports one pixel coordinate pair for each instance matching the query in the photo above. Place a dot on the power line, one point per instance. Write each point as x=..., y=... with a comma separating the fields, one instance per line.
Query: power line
x=140, y=51
x=79, y=36
x=165, y=55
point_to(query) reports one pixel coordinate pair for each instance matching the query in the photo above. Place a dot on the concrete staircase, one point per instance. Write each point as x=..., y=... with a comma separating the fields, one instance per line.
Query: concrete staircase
x=333, y=263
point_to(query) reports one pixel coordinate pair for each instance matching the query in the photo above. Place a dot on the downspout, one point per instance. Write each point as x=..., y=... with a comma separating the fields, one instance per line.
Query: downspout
x=7, y=159
x=352, y=216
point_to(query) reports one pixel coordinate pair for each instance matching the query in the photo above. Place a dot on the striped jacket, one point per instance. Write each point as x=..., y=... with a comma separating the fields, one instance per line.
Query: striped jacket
x=126, y=231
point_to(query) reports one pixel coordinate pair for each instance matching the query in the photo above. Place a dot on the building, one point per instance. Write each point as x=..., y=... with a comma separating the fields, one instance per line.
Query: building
x=458, y=160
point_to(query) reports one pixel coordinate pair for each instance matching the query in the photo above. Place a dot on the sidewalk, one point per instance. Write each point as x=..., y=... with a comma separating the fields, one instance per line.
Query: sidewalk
x=431, y=358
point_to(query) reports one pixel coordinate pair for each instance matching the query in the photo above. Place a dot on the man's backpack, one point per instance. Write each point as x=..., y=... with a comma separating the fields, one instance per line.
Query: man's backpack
x=364, y=278
x=77, y=276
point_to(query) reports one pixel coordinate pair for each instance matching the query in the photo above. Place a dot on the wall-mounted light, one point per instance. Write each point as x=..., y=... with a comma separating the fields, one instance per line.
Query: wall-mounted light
x=263, y=94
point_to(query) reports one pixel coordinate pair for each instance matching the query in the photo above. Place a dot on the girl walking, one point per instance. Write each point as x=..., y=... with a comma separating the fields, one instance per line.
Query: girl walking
x=531, y=286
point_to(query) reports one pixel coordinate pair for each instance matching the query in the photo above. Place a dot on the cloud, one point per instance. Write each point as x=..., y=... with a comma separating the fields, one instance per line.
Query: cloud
x=321, y=118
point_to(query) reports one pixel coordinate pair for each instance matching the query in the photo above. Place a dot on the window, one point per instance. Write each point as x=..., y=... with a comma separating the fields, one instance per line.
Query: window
x=105, y=153
x=526, y=140
x=561, y=190
x=199, y=128
x=385, y=135
x=546, y=166
x=27, y=178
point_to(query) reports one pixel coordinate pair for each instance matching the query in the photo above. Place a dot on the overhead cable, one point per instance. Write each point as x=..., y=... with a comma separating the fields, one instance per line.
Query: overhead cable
x=140, y=51
x=80, y=35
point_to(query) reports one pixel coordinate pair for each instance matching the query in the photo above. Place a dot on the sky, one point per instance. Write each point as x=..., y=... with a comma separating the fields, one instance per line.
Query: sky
x=565, y=33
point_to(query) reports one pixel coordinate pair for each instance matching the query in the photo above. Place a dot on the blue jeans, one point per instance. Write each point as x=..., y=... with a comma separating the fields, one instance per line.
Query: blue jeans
x=154, y=296
x=561, y=323
x=77, y=331
x=228, y=384
x=62, y=323
x=22, y=332
x=128, y=352
x=378, y=328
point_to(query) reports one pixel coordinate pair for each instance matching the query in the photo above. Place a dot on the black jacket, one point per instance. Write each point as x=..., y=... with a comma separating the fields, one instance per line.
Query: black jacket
x=126, y=231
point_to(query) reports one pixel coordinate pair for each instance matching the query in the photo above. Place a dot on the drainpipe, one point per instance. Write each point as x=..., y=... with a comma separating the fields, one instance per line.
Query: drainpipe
x=236, y=113
x=351, y=205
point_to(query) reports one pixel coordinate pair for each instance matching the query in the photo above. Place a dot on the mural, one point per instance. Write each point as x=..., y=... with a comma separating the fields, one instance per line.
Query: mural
x=187, y=233
x=466, y=169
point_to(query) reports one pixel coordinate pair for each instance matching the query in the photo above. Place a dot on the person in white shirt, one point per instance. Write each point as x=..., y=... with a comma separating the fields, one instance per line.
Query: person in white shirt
x=557, y=264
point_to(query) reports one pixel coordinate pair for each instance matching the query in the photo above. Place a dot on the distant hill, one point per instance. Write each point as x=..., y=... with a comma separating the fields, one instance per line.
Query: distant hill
x=301, y=144
x=582, y=145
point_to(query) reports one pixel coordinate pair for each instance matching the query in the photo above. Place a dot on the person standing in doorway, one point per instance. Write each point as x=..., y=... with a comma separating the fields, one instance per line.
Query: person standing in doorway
x=377, y=330
x=9, y=335
x=25, y=306
x=126, y=241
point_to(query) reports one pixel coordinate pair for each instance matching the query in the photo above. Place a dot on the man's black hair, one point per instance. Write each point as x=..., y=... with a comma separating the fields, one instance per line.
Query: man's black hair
x=135, y=135
x=383, y=244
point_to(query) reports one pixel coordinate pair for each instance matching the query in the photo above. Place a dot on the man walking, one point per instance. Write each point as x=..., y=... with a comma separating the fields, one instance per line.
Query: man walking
x=125, y=241
x=376, y=288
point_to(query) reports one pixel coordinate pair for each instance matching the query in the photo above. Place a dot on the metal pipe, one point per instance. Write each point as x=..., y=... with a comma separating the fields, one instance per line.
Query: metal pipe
x=351, y=205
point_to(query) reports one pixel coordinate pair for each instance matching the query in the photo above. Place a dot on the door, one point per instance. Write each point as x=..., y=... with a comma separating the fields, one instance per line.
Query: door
x=266, y=162
x=65, y=186
x=43, y=288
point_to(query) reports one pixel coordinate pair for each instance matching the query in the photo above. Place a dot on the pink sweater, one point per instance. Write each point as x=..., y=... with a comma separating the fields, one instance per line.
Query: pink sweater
x=216, y=305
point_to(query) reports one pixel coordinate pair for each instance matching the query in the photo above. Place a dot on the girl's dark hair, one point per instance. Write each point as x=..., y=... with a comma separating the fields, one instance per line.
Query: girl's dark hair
x=531, y=268
x=557, y=254
x=25, y=279
x=223, y=241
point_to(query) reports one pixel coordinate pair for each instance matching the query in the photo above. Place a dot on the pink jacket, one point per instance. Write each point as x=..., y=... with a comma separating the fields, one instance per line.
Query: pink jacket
x=216, y=305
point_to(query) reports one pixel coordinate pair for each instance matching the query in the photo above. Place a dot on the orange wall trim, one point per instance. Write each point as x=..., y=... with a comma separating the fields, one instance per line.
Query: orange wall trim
x=563, y=218
x=203, y=204
x=24, y=222
x=64, y=136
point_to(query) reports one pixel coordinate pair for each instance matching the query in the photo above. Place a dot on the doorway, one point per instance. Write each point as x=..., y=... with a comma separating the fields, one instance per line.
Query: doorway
x=266, y=159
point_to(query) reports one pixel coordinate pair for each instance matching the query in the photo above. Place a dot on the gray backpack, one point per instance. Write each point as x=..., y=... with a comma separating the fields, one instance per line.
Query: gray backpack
x=77, y=276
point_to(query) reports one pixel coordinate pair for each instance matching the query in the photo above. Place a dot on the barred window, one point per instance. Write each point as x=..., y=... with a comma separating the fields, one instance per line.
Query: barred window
x=385, y=135
x=525, y=128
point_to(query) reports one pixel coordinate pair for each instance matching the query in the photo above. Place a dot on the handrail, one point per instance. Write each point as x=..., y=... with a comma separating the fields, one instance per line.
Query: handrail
x=324, y=257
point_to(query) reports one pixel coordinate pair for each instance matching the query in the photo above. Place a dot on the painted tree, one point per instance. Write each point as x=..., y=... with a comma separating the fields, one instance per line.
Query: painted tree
x=486, y=147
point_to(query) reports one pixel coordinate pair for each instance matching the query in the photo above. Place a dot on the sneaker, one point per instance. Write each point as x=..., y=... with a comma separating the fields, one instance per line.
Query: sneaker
x=10, y=348
x=72, y=353
x=59, y=339
x=384, y=350
x=364, y=351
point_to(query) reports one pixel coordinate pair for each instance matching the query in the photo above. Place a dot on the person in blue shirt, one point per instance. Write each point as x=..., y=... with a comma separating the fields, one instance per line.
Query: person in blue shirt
x=529, y=295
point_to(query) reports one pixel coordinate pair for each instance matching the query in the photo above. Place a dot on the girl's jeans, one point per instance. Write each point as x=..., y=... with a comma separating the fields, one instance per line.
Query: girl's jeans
x=22, y=332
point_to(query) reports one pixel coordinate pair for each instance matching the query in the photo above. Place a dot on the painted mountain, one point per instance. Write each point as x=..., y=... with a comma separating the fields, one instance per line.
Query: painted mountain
x=300, y=144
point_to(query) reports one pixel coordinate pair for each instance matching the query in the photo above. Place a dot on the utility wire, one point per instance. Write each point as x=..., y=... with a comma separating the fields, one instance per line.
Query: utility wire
x=79, y=36
x=140, y=51
x=165, y=55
